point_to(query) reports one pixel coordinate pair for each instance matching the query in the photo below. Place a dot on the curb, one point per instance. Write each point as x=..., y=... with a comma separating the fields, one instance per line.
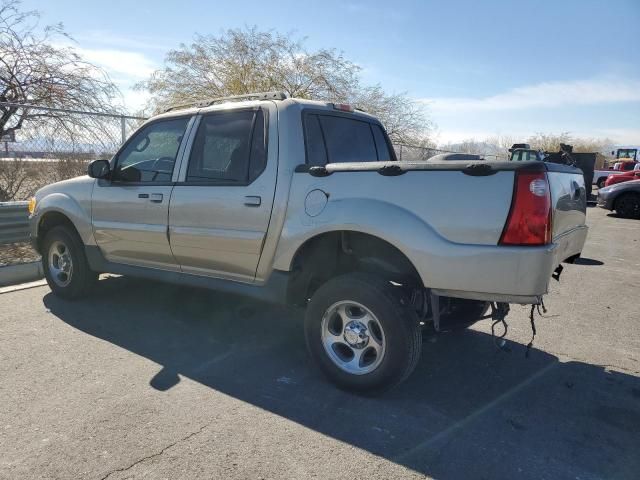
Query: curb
x=20, y=273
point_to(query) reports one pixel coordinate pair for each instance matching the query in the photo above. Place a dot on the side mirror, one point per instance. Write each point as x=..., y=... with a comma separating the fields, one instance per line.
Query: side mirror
x=99, y=169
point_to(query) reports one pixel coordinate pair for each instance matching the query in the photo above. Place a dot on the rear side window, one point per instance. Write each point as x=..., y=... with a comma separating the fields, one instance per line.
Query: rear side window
x=316, y=152
x=336, y=139
x=229, y=148
x=348, y=140
x=384, y=155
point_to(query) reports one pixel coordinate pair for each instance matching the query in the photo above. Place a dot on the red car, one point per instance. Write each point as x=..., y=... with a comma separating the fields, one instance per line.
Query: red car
x=622, y=177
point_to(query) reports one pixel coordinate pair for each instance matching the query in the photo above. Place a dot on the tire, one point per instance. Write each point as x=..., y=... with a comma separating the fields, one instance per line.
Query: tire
x=628, y=205
x=363, y=333
x=601, y=182
x=65, y=264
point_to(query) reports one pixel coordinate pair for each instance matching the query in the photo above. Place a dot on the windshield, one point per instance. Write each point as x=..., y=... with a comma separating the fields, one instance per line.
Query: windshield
x=627, y=153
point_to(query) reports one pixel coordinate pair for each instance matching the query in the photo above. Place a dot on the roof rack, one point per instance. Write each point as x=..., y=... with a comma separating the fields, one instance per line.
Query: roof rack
x=248, y=96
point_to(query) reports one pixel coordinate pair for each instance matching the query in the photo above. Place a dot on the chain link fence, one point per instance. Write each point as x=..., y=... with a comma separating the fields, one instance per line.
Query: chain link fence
x=54, y=144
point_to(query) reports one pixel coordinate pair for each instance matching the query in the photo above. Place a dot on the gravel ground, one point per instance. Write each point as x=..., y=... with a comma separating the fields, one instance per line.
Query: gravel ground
x=145, y=380
x=17, y=253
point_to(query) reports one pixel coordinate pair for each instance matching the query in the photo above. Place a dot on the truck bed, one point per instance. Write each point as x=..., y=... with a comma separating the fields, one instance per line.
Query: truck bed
x=448, y=219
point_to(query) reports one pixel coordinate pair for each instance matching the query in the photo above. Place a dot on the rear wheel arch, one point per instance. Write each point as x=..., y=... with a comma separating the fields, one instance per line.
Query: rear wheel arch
x=334, y=253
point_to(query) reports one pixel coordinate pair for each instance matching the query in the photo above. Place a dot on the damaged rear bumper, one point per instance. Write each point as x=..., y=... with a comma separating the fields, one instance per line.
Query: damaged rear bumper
x=506, y=274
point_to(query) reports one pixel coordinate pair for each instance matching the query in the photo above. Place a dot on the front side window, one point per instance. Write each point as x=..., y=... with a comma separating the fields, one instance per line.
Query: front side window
x=337, y=139
x=229, y=148
x=150, y=156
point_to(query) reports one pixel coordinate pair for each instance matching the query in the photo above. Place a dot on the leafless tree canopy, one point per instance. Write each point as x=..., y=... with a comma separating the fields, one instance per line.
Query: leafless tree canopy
x=551, y=142
x=249, y=60
x=35, y=71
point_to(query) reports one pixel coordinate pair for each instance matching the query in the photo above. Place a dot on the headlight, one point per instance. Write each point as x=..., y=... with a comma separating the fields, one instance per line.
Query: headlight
x=32, y=205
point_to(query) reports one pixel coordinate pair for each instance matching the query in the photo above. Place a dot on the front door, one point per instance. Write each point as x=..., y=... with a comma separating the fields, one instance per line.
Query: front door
x=130, y=210
x=221, y=206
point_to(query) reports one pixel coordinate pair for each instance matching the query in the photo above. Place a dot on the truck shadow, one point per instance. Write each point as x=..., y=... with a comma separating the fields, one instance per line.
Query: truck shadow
x=468, y=411
x=588, y=261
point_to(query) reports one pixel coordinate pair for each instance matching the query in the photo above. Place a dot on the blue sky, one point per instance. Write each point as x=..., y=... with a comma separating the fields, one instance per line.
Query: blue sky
x=482, y=68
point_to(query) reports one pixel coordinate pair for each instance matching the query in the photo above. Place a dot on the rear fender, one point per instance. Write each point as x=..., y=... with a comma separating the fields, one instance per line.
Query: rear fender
x=393, y=224
x=485, y=272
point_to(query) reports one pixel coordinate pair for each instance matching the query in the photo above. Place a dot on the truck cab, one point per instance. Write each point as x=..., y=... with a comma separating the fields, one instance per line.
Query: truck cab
x=626, y=154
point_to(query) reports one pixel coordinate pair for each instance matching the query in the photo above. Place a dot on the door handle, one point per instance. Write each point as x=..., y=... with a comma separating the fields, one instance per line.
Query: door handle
x=252, y=201
x=143, y=195
x=156, y=197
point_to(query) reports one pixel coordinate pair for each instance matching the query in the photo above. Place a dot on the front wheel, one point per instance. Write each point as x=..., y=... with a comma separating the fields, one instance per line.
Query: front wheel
x=363, y=333
x=628, y=205
x=600, y=183
x=65, y=264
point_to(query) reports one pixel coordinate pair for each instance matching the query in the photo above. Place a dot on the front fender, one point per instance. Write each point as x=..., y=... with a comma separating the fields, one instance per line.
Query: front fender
x=77, y=211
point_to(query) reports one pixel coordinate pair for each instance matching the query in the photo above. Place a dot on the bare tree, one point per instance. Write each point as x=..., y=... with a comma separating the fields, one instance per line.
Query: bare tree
x=248, y=60
x=499, y=146
x=550, y=142
x=35, y=71
x=14, y=175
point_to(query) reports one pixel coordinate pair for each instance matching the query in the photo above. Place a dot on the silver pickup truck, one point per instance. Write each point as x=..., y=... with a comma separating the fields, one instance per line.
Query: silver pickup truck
x=303, y=202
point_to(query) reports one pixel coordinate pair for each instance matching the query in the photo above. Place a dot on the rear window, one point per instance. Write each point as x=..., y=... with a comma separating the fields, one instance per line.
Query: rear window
x=336, y=139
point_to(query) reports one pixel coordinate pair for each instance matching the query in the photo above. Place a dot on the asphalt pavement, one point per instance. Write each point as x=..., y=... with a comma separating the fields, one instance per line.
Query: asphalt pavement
x=146, y=380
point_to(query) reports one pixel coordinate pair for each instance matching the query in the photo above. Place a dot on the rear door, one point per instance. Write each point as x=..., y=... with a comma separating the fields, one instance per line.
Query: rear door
x=221, y=206
x=130, y=210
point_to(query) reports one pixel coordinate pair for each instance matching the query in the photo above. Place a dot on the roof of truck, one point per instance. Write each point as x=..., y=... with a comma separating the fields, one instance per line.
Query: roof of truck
x=253, y=100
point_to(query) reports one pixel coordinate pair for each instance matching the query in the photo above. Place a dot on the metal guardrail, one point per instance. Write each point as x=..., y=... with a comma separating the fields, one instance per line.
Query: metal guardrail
x=14, y=222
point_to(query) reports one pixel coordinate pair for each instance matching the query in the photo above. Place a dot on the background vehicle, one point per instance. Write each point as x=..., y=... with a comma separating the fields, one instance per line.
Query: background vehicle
x=628, y=154
x=600, y=176
x=453, y=157
x=623, y=177
x=522, y=152
x=624, y=198
x=628, y=160
x=565, y=156
x=302, y=202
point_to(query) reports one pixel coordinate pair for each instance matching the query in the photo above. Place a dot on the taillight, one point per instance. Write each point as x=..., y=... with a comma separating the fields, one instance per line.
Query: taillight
x=529, y=221
x=343, y=107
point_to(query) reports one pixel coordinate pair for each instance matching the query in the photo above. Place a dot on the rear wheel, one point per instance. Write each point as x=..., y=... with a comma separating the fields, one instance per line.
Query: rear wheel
x=65, y=264
x=601, y=182
x=628, y=205
x=362, y=332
